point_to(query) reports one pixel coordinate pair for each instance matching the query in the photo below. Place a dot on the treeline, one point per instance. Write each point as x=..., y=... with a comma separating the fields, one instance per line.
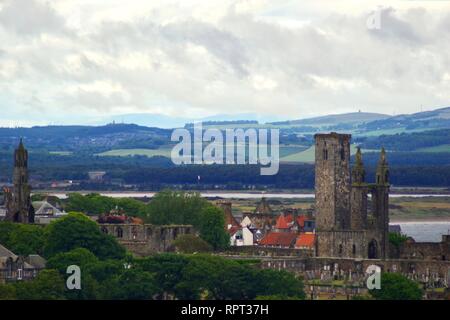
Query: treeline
x=406, y=141
x=221, y=123
x=108, y=272
x=156, y=173
x=288, y=177
x=165, y=208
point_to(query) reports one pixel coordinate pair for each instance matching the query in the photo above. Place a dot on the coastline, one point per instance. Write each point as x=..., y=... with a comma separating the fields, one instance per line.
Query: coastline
x=419, y=220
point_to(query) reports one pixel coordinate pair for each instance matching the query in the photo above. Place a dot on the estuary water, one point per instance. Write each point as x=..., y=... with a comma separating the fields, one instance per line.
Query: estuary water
x=425, y=231
x=234, y=195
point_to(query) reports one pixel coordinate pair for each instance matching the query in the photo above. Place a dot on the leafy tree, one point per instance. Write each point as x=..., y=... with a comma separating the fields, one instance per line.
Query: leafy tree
x=175, y=207
x=48, y=285
x=168, y=271
x=96, y=204
x=27, y=239
x=134, y=284
x=277, y=297
x=395, y=286
x=7, y=292
x=77, y=231
x=80, y=256
x=6, y=229
x=397, y=239
x=272, y=282
x=212, y=228
x=188, y=243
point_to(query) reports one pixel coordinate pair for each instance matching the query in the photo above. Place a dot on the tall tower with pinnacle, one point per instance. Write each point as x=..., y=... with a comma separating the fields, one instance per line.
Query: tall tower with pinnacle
x=18, y=200
x=344, y=227
x=358, y=194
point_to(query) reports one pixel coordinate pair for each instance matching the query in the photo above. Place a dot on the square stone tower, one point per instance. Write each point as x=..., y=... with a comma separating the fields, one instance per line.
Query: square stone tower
x=332, y=181
x=343, y=226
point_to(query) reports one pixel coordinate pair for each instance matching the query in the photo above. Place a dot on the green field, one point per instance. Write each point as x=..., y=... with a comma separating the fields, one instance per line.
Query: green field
x=441, y=148
x=308, y=155
x=60, y=153
x=136, y=152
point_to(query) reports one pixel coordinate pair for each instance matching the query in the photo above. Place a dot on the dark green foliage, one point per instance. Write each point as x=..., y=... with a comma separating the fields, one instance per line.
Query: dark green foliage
x=394, y=286
x=397, y=239
x=77, y=231
x=80, y=256
x=133, y=285
x=22, y=239
x=48, y=285
x=188, y=243
x=407, y=141
x=211, y=277
x=212, y=228
x=176, y=207
x=95, y=204
x=7, y=292
x=6, y=230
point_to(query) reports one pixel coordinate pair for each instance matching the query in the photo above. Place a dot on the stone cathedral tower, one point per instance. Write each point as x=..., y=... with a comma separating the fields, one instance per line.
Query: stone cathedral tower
x=18, y=200
x=344, y=227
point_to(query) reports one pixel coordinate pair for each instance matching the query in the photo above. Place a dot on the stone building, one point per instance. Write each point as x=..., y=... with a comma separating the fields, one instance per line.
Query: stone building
x=18, y=199
x=146, y=239
x=344, y=227
x=17, y=268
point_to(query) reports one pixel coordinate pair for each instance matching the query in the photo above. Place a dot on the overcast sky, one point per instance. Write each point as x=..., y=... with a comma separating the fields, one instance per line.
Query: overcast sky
x=74, y=61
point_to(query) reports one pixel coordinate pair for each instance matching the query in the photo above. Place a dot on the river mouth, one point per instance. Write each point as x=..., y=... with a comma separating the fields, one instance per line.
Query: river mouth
x=227, y=195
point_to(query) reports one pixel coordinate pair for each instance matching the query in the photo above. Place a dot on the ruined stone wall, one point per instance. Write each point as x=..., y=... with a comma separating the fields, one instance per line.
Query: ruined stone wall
x=268, y=252
x=358, y=207
x=426, y=250
x=144, y=240
x=341, y=244
x=430, y=273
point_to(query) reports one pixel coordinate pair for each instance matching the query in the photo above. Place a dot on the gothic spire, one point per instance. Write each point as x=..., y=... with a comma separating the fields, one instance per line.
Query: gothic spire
x=382, y=160
x=358, y=172
x=20, y=155
x=382, y=175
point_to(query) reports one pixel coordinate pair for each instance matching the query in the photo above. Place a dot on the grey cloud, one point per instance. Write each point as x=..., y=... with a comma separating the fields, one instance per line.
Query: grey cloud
x=29, y=17
x=332, y=64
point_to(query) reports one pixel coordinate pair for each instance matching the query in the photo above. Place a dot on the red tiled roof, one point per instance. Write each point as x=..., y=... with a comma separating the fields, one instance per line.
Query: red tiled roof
x=282, y=239
x=305, y=240
x=233, y=230
x=301, y=220
x=282, y=222
x=289, y=218
x=230, y=220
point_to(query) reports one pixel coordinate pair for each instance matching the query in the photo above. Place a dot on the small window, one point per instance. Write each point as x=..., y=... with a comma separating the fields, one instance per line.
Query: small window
x=119, y=232
x=325, y=154
x=340, y=249
x=354, y=249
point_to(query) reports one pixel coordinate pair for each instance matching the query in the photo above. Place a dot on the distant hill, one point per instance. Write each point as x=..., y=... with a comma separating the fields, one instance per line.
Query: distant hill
x=439, y=118
x=336, y=119
x=79, y=138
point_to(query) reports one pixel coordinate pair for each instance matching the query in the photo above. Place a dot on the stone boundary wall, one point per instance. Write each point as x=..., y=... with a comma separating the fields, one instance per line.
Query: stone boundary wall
x=144, y=240
x=259, y=251
x=430, y=273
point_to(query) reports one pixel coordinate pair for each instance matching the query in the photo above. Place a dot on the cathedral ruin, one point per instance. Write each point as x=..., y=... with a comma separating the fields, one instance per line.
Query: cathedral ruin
x=344, y=225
